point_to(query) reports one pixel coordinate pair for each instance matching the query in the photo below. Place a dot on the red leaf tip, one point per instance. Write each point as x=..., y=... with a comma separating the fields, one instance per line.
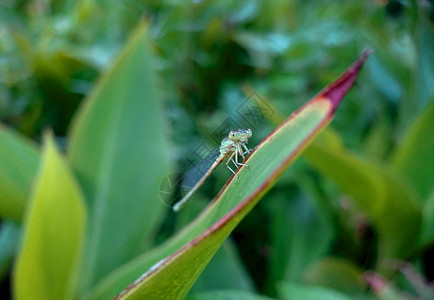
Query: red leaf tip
x=338, y=89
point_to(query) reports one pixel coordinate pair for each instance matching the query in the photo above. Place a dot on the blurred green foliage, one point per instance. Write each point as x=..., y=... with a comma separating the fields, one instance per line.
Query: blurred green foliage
x=205, y=54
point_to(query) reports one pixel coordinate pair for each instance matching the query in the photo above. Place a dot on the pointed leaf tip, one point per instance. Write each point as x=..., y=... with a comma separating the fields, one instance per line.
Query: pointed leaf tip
x=335, y=92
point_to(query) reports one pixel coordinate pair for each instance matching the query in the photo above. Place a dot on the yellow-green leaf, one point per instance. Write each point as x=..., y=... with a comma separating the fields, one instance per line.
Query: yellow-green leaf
x=54, y=229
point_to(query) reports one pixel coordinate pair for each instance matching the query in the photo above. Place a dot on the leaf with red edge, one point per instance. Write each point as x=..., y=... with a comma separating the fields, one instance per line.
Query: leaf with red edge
x=175, y=265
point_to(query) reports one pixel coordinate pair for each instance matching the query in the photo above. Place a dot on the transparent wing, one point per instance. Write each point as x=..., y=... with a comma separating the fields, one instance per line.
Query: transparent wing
x=193, y=175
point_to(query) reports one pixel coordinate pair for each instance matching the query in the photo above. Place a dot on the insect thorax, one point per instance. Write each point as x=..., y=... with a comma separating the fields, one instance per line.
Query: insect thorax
x=226, y=146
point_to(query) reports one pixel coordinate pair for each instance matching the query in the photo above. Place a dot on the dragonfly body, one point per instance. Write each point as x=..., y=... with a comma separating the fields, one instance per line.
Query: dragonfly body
x=231, y=146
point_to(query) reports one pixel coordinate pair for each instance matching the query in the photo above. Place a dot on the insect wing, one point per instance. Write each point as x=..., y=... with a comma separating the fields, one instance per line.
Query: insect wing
x=193, y=175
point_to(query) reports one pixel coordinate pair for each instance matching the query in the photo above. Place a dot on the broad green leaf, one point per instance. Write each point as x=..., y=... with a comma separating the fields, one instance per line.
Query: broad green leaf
x=321, y=205
x=227, y=295
x=224, y=271
x=190, y=251
x=385, y=199
x=9, y=237
x=310, y=238
x=19, y=160
x=290, y=290
x=414, y=156
x=54, y=228
x=120, y=155
x=336, y=273
x=299, y=237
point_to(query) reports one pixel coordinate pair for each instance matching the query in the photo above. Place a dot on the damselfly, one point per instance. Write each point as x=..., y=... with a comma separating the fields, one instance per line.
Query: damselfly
x=231, y=146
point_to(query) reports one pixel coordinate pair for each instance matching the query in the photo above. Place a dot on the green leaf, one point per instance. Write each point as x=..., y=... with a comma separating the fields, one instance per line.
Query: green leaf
x=290, y=290
x=191, y=250
x=54, y=228
x=378, y=192
x=227, y=295
x=310, y=238
x=224, y=271
x=19, y=160
x=299, y=237
x=336, y=273
x=414, y=157
x=120, y=155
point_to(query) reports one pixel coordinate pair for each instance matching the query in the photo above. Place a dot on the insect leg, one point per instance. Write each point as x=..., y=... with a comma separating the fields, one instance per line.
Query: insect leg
x=247, y=149
x=227, y=165
x=240, y=150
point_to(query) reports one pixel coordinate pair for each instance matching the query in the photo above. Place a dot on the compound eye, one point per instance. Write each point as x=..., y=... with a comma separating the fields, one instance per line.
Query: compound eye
x=232, y=134
x=248, y=133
